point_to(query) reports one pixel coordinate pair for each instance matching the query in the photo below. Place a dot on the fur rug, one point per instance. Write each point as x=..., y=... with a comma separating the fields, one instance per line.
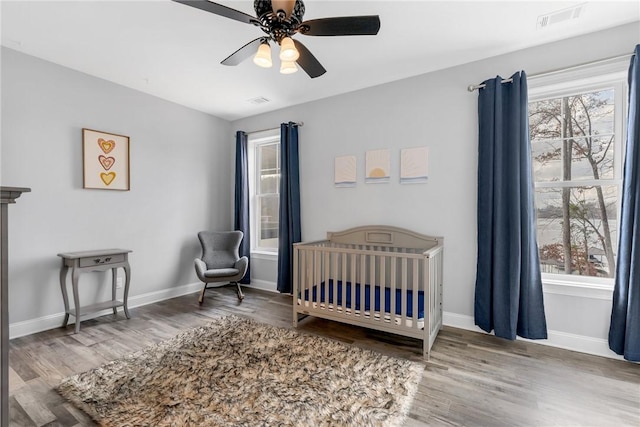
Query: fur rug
x=239, y=372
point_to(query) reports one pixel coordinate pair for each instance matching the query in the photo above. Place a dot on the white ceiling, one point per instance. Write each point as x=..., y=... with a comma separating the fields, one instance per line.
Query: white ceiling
x=174, y=51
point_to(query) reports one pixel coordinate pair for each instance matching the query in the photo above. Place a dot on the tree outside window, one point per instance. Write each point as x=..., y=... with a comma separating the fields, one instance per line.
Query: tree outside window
x=573, y=140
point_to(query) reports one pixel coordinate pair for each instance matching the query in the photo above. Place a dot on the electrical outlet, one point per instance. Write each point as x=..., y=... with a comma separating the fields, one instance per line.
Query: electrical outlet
x=119, y=283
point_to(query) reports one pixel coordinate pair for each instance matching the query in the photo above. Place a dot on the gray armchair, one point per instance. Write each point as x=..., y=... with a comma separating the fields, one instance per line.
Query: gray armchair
x=220, y=261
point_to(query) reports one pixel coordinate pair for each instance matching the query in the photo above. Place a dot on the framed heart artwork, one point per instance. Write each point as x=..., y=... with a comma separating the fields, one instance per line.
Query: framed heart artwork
x=105, y=158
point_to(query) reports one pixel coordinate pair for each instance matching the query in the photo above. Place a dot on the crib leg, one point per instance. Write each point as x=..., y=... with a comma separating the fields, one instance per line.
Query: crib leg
x=426, y=346
x=297, y=317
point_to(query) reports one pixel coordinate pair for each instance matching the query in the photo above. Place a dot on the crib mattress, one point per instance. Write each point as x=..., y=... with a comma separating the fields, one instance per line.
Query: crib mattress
x=326, y=297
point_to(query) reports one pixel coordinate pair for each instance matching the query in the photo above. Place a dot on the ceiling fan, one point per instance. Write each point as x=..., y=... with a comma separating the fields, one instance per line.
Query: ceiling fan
x=280, y=20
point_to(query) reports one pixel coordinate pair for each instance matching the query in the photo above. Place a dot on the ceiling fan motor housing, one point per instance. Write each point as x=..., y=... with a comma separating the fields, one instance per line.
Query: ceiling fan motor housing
x=276, y=23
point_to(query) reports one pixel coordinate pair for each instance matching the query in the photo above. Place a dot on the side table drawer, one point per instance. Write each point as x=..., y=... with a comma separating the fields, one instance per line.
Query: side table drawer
x=101, y=260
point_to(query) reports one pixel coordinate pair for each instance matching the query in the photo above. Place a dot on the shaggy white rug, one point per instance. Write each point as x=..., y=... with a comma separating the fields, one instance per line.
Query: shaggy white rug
x=239, y=372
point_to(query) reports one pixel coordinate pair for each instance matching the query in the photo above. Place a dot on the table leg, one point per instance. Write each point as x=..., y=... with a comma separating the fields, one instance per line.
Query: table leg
x=127, y=272
x=114, y=281
x=65, y=296
x=76, y=298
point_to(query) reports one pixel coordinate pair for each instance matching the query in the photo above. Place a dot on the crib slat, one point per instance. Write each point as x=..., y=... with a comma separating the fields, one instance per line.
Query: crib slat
x=383, y=287
x=393, y=277
x=403, y=294
x=325, y=278
x=416, y=293
x=344, y=278
x=373, y=284
x=316, y=276
x=334, y=277
x=312, y=271
x=363, y=281
x=296, y=281
x=353, y=281
x=310, y=275
x=303, y=275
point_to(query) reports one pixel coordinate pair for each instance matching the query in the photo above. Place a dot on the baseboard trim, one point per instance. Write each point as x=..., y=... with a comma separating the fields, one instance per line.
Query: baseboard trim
x=559, y=339
x=28, y=327
x=264, y=285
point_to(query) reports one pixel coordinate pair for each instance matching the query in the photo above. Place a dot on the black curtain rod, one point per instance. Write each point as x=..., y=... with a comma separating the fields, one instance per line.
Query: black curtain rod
x=299, y=124
x=471, y=88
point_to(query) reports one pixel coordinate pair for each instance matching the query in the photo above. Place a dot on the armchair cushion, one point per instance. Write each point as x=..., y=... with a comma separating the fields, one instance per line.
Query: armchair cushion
x=221, y=272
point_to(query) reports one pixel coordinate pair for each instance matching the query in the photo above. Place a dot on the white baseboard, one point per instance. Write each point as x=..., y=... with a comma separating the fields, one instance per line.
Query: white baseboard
x=28, y=327
x=264, y=285
x=565, y=340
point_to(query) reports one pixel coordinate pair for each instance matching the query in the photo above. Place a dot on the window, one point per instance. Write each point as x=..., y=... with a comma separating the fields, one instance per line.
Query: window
x=576, y=130
x=264, y=188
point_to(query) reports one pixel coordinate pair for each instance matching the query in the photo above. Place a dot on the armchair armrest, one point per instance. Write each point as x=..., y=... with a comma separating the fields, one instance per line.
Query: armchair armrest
x=242, y=264
x=201, y=267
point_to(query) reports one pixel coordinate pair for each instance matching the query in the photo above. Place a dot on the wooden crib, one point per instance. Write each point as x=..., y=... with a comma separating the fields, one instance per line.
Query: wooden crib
x=379, y=277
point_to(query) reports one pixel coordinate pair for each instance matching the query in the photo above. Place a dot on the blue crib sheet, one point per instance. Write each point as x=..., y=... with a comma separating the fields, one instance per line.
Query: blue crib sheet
x=367, y=297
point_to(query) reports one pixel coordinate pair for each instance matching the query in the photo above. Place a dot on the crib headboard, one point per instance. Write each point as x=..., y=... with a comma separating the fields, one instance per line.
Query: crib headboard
x=384, y=235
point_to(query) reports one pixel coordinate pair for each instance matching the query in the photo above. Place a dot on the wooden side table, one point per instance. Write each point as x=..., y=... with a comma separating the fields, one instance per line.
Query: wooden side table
x=100, y=260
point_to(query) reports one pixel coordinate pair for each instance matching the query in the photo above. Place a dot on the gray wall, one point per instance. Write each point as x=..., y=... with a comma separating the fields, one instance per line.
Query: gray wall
x=435, y=110
x=182, y=172
x=180, y=180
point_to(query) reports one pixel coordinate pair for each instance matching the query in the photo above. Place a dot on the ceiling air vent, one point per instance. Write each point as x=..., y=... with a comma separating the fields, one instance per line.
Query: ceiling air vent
x=563, y=15
x=259, y=100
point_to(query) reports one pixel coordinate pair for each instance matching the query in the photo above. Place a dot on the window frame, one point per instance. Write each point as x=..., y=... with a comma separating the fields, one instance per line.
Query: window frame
x=254, y=141
x=583, y=79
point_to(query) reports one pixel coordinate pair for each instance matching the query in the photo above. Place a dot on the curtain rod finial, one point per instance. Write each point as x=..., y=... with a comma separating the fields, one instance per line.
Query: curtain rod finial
x=471, y=88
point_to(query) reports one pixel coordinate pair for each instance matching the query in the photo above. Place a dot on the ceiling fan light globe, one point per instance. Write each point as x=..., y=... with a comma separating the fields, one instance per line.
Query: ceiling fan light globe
x=288, y=67
x=263, y=56
x=288, y=51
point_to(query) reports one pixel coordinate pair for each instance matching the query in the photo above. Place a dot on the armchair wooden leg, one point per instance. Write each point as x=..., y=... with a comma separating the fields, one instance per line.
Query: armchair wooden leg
x=202, y=295
x=240, y=294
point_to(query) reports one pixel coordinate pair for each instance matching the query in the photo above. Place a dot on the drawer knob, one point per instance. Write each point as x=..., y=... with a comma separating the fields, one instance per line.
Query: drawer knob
x=97, y=260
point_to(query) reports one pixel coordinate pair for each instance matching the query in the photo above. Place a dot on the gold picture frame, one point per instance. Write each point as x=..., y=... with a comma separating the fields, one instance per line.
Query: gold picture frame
x=105, y=160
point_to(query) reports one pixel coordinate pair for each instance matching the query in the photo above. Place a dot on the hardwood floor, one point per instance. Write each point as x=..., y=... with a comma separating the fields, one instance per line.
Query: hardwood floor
x=472, y=379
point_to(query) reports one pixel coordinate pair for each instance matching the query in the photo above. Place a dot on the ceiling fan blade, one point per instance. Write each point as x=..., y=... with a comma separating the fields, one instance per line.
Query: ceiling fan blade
x=243, y=53
x=342, y=26
x=308, y=62
x=219, y=9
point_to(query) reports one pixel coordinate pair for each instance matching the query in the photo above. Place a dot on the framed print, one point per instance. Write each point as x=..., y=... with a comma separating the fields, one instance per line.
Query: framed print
x=378, y=165
x=105, y=158
x=413, y=165
x=345, y=171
